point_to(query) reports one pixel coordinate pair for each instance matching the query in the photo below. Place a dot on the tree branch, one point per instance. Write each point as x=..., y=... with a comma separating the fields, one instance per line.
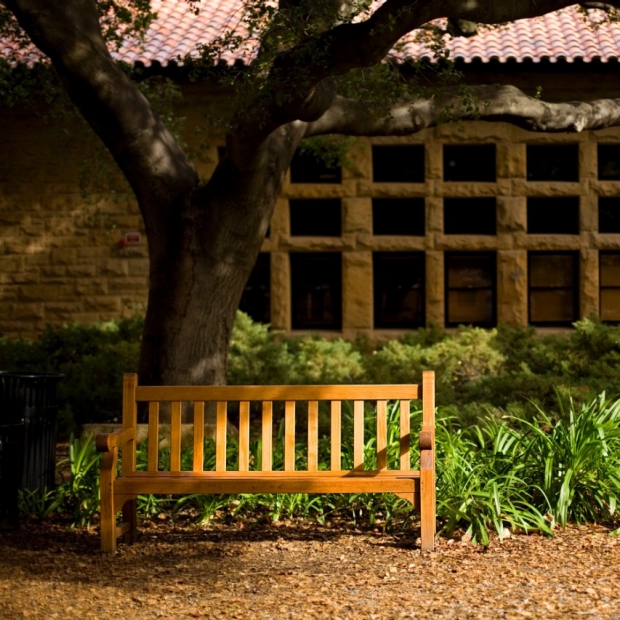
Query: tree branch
x=148, y=155
x=298, y=72
x=485, y=103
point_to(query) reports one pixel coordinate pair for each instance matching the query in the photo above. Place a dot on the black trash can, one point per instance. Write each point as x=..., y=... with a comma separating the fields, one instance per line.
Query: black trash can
x=30, y=399
x=11, y=467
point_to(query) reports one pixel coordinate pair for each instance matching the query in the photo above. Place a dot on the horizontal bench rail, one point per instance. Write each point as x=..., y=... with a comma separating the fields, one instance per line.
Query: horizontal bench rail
x=228, y=393
x=388, y=472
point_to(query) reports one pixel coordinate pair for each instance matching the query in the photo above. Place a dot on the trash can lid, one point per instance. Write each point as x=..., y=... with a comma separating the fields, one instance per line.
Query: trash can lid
x=33, y=375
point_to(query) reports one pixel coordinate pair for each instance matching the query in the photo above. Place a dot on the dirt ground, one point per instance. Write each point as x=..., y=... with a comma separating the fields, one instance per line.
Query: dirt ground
x=305, y=571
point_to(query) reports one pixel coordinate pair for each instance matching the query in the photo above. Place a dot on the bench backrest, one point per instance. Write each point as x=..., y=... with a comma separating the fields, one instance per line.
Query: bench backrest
x=267, y=395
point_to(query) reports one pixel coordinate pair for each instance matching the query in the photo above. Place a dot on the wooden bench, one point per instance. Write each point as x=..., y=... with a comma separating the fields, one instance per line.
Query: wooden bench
x=120, y=491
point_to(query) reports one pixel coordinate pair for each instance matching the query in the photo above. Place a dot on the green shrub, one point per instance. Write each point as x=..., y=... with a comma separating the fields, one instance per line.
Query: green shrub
x=257, y=355
x=93, y=358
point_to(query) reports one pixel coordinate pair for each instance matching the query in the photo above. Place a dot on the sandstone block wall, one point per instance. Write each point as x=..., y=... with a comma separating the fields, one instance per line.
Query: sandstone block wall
x=60, y=258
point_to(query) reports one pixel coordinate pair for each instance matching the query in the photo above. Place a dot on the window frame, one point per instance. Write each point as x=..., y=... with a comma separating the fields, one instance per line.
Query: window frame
x=472, y=200
x=556, y=200
x=266, y=257
x=375, y=148
x=294, y=205
x=550, y=146
x=418, y=203
x=337, y=293
x=378, y=257
x=487, y=146
x=297, y=167
x=575, y=287
x=453, y=254
x=601, y=287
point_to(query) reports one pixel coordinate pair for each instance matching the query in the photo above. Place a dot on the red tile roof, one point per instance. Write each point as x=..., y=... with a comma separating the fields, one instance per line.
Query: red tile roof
x=565, y=34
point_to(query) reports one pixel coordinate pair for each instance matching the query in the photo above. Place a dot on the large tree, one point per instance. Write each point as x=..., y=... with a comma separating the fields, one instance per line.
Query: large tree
x=306, y=76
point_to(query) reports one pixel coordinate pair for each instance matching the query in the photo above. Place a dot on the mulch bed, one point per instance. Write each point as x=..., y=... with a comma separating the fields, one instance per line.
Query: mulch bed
x=305, y=571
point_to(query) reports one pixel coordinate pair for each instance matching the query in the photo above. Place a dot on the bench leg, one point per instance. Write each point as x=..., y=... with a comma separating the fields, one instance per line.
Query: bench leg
x=106, y=511
x=428, y=517
x=130, y=516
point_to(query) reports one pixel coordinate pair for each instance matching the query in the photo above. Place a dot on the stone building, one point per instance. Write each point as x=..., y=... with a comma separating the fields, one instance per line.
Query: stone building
x=476, y=223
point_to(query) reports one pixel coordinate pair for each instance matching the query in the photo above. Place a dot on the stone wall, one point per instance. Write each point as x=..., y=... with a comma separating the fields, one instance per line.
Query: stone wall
x=60, y=258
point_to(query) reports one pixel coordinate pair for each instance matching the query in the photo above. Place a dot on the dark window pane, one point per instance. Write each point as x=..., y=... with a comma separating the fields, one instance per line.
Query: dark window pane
x=470, y=284
x=255, y=300
x=610, y=268
x=398, y=164
x=553, y=288
x=609, y=215
x=470, y=270
x=610, y=286
x=553, y=162
x=307, y=167
x=552, y=270
x=399, y=289
x=610, y=304
x=609, y=162
x=316, y=217
x=469, y=216
x=552, y=306
x=398, y=216
x=469, y=162
x=553, y=216
x=470, y=306
x=316, y=288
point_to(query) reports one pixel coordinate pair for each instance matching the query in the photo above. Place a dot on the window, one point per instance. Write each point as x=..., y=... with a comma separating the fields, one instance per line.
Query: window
x=609, y=263
x=316, y=217
x=316, y=288
x=308, y=167
x=398, y=216
x=553, y=216
x=398, y=289
x=609, y=215
x=469, y=216
x=553, y=162
x=469, y=162
x=609, y=162
x=470, y=288
x=553, y=292
x=398, y=164
x=255, y=300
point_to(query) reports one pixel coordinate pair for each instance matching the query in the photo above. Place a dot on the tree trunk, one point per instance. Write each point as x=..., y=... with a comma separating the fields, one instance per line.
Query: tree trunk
x=199, y=268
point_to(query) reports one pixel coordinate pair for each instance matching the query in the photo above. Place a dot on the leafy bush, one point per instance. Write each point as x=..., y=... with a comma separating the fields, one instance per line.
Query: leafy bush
x=508, y=370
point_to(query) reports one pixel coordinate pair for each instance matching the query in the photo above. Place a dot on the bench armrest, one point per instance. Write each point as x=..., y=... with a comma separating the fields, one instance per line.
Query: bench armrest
x=106, y=442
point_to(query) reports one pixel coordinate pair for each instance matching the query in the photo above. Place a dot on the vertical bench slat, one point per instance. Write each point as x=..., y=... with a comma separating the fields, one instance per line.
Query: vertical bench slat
x=336, y=434
x=405, y=436
x=313, y=435
x=289, y=436
x=153, y=444
x=244, y=436
x=220, y=436
x=199, y=435
x=267, y=451
x=130, y=420
x=427, y=463
x=358, y=435
x=381, y=435
x=175, y=437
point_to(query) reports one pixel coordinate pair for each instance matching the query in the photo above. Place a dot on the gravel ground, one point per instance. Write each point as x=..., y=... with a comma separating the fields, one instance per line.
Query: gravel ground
x=304, y=571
